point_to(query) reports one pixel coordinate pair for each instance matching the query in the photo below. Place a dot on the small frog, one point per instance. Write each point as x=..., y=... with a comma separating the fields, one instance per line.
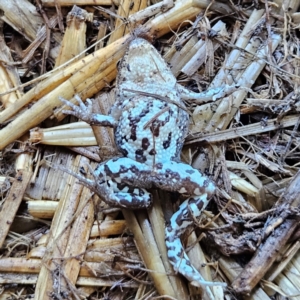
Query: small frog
x=150, y=122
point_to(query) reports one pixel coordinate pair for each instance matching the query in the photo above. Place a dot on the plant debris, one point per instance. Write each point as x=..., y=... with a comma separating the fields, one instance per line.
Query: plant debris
x=58, y=240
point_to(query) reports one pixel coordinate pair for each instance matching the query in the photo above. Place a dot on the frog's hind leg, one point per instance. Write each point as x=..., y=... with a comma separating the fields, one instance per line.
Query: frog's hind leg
x=185, y=180
x=114, y=181
x=117, y=182
x=180, y=221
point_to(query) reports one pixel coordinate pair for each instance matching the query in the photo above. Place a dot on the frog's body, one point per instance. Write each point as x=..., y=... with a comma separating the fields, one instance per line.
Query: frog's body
x=153, y=132
x=149, y=130
x=151, y=123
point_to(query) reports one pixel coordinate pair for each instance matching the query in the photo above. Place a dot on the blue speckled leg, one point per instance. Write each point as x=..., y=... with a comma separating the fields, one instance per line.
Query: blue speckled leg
x=180, y=221
x=124, y=173
x=122, y=182
x=118, y=182
x=184, y=179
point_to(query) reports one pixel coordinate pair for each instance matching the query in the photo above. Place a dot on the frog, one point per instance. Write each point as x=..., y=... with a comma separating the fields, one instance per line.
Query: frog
x=150, y=122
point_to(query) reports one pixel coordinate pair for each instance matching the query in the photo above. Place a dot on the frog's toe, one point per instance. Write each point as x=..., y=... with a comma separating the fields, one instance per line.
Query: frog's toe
x=182, y=264
x=82, y=112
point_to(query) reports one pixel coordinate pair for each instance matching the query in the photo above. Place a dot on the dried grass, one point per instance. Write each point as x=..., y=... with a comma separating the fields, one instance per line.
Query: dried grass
x=61, y=242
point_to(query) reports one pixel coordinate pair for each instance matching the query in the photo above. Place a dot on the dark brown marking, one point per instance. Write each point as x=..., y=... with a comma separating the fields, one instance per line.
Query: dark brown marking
x=144, y=112
x=173, y=259
x=139, y=155
x=188, y=263
x=173, y=175
x=133, y=132
x=145, y=143
x=183, y=216
x=124, y=152
x=190, y=171
x=155, y=129
x=167, y=142
x=152, y=152
x=200, y=204
x=159, y=166
x=206, y=183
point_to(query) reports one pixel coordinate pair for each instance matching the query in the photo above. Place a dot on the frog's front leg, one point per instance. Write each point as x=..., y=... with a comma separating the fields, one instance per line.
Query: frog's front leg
x=84, y=113
x=209, y=95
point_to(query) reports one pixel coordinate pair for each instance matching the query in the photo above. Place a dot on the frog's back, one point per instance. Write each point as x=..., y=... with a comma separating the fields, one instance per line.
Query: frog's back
x=151, y=131
x=150, y=128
